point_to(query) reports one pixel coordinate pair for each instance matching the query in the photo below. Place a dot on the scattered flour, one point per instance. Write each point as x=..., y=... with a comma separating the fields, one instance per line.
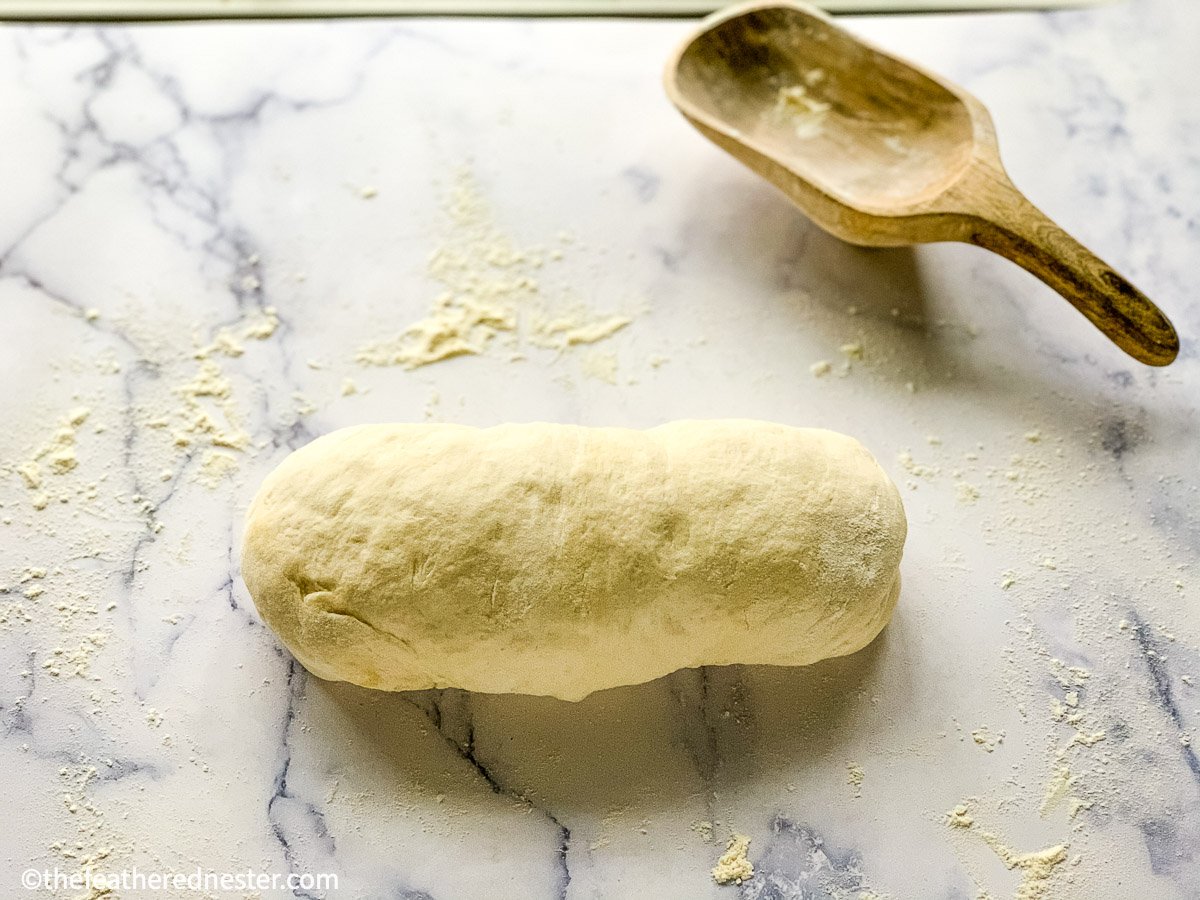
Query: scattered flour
x=215, y=466
x=228, y=341
x=852, y=350
x=966, y=492
x=491, y=290
x=569, y=331
x=798, y=108
x=1036, y=868
x=854, y=777
x=960, y=817
x=913, y=467
x=57, y=455
x=207, y=416
x=733, y=867
x=601, y=365
x=1056, y=790
x=455, y=326
x=985, y=738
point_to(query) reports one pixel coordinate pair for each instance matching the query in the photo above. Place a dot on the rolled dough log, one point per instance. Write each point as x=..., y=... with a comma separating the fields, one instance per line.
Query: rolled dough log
x=561, y=560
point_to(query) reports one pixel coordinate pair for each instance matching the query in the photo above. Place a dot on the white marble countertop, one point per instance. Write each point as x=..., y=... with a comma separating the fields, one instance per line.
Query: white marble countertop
x=203, y=226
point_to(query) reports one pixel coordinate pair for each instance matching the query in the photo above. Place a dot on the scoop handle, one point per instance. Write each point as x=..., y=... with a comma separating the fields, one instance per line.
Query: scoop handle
x=1019, y=231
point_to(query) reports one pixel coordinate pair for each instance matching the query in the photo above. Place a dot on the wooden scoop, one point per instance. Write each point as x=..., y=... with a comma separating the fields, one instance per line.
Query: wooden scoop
x=881, y=153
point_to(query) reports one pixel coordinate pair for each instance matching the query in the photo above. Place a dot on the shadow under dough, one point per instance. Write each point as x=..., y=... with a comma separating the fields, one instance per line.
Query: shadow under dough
x=656, y=745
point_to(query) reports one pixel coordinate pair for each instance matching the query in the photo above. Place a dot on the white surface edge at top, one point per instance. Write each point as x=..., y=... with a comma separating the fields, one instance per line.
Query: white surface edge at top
x=187, y=9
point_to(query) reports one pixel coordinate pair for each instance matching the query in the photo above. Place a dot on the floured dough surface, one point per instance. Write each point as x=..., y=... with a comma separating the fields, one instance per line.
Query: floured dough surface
x=561, y=560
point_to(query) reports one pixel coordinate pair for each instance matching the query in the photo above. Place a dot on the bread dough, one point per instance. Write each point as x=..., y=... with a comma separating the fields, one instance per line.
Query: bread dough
x=561, y=560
